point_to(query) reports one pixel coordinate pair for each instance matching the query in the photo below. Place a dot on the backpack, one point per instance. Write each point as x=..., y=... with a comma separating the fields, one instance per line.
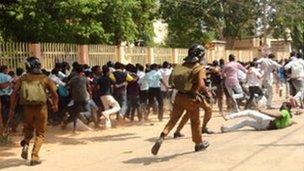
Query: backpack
x=32, y=92
x=182, y=77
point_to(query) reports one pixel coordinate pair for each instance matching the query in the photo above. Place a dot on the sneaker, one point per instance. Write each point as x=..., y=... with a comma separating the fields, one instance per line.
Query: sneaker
x=35, y=162
x=24, y=153
x=178, y=135
x=201, y=146
x=207, y=131
x=156, y=146
x=108, y=124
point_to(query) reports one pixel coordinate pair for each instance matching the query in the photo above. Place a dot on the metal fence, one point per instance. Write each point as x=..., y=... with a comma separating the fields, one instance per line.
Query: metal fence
x=57, y=52
x=101, y=54
x=136, y=55
x=163, y=54
x=181, y=54
x=14, y=54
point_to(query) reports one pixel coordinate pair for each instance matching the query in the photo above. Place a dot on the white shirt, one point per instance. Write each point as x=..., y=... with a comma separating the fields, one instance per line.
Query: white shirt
x=166, y=72
x=57, y=80
x=61, y=75
x=142, y=81
x=297, y=67
x=253, y=77
x=241, y=76
x=154, y=78
x=267, y=66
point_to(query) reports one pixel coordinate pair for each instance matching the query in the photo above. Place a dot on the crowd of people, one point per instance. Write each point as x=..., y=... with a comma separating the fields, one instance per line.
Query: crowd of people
x=101, y=94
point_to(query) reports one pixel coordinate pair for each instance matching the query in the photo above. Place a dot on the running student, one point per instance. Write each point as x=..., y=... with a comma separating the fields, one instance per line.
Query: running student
x=262, y=120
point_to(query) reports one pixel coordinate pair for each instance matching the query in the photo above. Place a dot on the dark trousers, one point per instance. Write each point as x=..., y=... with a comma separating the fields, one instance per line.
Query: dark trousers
x=254, y=90
x=157, y=94
x=144, y=96
x=5, y=101
x=219, y=94
x=133, y=105
x=120, y=97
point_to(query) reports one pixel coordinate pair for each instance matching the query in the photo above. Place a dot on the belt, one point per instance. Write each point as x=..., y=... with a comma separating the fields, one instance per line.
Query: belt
x=189, y=94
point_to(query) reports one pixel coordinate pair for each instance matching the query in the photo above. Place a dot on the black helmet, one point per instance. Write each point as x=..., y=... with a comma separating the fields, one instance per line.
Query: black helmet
x=195, y=53
x=33, y=65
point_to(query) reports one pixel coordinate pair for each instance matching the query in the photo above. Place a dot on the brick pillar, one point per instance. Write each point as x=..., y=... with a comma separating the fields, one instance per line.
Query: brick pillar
x=35, y=50
x=150, y=56
x=175, y=55
x=83, y=54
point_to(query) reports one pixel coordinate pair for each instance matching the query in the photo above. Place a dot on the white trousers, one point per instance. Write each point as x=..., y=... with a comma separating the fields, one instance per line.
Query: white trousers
x=267, y=84
x=258, y=121
x=299, y=86
x=111, y=106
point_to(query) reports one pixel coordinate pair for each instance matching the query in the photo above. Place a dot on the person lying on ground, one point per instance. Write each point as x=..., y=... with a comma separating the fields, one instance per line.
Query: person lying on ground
x=262, y=120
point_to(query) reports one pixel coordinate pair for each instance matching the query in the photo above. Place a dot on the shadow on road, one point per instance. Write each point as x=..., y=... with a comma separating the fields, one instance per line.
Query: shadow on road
x=153, y=139
x=265, y=147
x=12, y=163
x=117, y=137
x=154, y=159
x=283, y=145
x=72, y=140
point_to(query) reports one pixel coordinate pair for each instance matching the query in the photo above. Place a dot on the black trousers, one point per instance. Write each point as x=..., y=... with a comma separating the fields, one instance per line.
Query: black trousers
x=133, y=105
x=144, y=96
x=156, y=93
x=5, y=102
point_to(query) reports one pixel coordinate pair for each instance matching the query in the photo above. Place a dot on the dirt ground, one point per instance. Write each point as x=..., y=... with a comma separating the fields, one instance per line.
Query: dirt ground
x=128, y=148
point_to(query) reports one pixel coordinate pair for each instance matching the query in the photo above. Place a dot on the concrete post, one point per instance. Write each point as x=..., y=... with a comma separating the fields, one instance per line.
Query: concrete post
x=35, y=50
x=175, y=55
x=150, y=55
x=120, y=56
x=83, y=54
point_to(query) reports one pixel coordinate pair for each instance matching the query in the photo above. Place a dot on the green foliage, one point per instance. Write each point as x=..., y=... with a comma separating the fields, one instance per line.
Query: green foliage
x=143, y=15
x=78, y=21
x=205, y=20
x=117, y=21
x=288, y=21
x=184, y=27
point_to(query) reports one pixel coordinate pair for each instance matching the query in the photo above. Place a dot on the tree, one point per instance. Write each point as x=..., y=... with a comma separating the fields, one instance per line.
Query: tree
x=67, y=21
x=205, y=20
x=78, y=21
x=144, y=14
x=288, y=22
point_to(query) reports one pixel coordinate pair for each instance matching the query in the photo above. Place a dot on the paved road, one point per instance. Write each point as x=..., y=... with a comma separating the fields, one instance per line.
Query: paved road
x=128, y=148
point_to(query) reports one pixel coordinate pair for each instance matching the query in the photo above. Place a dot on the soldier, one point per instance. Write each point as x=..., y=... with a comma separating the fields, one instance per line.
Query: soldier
x=188, y=79
x=30, y=90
